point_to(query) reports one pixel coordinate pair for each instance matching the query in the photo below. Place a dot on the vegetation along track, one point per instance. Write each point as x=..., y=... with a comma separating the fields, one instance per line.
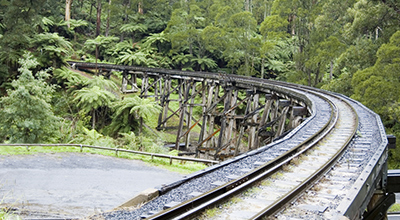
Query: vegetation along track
x=293, y=164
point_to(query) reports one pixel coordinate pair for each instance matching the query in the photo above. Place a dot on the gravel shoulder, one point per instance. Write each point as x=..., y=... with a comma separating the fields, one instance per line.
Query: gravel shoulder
x=73, y=185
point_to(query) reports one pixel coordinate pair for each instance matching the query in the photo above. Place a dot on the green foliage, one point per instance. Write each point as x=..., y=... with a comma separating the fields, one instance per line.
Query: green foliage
x=377, y=86
x=99, y=44
x=133, y=28
x=394, y=208
x=72, y=80
x=139, y=58
x=93, y=138
x=330, y=44
x=127, y=112
x=89, y=99
x=274, y=26
x=26, y=114
x=100, y=82
x=204, y=63
x=51, y=48
x=94, y=100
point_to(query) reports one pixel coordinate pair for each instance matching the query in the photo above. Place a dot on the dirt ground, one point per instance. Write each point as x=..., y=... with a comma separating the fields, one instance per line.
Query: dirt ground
x=73, y=185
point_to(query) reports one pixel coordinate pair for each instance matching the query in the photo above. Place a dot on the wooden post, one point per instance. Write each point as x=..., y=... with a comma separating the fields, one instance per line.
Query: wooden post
x=227, y=106
x=231, y=119
x=264, y=117
x=214, y=96
x=164, y=102
x=243, y=122
x=252, y=130
x=182, y=106
x=189, y=118
x=145, y=84
x=204, y=124
x=281, y=126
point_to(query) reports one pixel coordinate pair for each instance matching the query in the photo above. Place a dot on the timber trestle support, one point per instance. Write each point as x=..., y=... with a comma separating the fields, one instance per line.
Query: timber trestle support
x=214, y=116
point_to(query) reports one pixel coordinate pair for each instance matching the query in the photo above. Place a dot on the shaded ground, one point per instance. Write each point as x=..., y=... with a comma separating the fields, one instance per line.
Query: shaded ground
x=71, y=185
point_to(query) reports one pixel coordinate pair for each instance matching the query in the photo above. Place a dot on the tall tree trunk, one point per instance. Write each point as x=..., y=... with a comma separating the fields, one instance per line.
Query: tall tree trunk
x=68, y=4
x=94, y=119
x=316, y=80
x=90, y=13
x=140, y=7
x=98, y=24
x=262, y=67
x=247, y=5
x=108, y=18
x=126, y=18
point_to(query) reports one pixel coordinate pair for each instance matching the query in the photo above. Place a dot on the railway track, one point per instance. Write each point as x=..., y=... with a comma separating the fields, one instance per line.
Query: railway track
x=321, y=170
x=280, y=180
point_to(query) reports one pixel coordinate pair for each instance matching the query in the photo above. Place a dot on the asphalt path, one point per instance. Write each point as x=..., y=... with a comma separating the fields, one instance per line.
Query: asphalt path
x=73, y=185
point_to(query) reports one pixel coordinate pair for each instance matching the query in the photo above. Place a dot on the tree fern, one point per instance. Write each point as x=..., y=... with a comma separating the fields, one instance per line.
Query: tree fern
x=133, y=28
x=128, y=110
x=72, y=79
x=92, y=98
x=204, y=63
x=103, y=83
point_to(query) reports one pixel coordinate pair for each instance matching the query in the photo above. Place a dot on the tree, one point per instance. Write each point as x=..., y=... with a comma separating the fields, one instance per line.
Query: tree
x=128, y=110
x=133, y=29
x=377, y=86
x=68, y=4
x=183, y=29
x=92, y=99
x=26, y=115
x=98, y=21
x=242, y=42
x=144, y=109
x=51, y=49
x=138, y=58
x=100, y=42
x=204, y=63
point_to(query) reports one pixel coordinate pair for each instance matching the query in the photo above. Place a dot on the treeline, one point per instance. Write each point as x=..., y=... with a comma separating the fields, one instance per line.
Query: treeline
x=350, y=47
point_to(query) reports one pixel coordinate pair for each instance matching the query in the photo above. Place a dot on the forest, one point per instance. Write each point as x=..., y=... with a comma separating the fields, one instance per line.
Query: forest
x=350, y=47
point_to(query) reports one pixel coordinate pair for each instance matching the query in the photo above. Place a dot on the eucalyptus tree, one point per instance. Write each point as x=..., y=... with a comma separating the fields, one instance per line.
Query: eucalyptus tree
x=184, y=28
x=377, y=86
x=243, y=42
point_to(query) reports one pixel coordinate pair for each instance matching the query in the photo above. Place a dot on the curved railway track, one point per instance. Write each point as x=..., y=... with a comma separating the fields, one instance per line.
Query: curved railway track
x=321, y=170
x=324, y=146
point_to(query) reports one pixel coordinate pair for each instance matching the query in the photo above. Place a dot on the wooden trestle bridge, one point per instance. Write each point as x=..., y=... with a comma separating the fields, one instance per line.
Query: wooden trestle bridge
x=222, y=116
x=234, y=118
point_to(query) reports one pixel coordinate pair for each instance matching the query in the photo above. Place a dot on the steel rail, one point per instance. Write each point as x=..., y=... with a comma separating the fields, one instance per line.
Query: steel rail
x=294, y=193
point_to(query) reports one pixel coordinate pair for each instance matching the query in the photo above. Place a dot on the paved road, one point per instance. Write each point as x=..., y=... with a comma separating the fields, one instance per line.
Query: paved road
x=69, y=185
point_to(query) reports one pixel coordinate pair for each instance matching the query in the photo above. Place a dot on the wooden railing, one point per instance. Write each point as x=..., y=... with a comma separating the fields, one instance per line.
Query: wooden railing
x=152, y=155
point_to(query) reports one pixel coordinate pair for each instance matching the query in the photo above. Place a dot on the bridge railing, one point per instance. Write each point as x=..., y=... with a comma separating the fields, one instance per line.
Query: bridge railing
x=117, y=150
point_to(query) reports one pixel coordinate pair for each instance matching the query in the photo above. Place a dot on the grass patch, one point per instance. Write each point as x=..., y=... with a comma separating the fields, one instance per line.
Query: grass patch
x=210, y=213
x=183, y=167
x=394, y=208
